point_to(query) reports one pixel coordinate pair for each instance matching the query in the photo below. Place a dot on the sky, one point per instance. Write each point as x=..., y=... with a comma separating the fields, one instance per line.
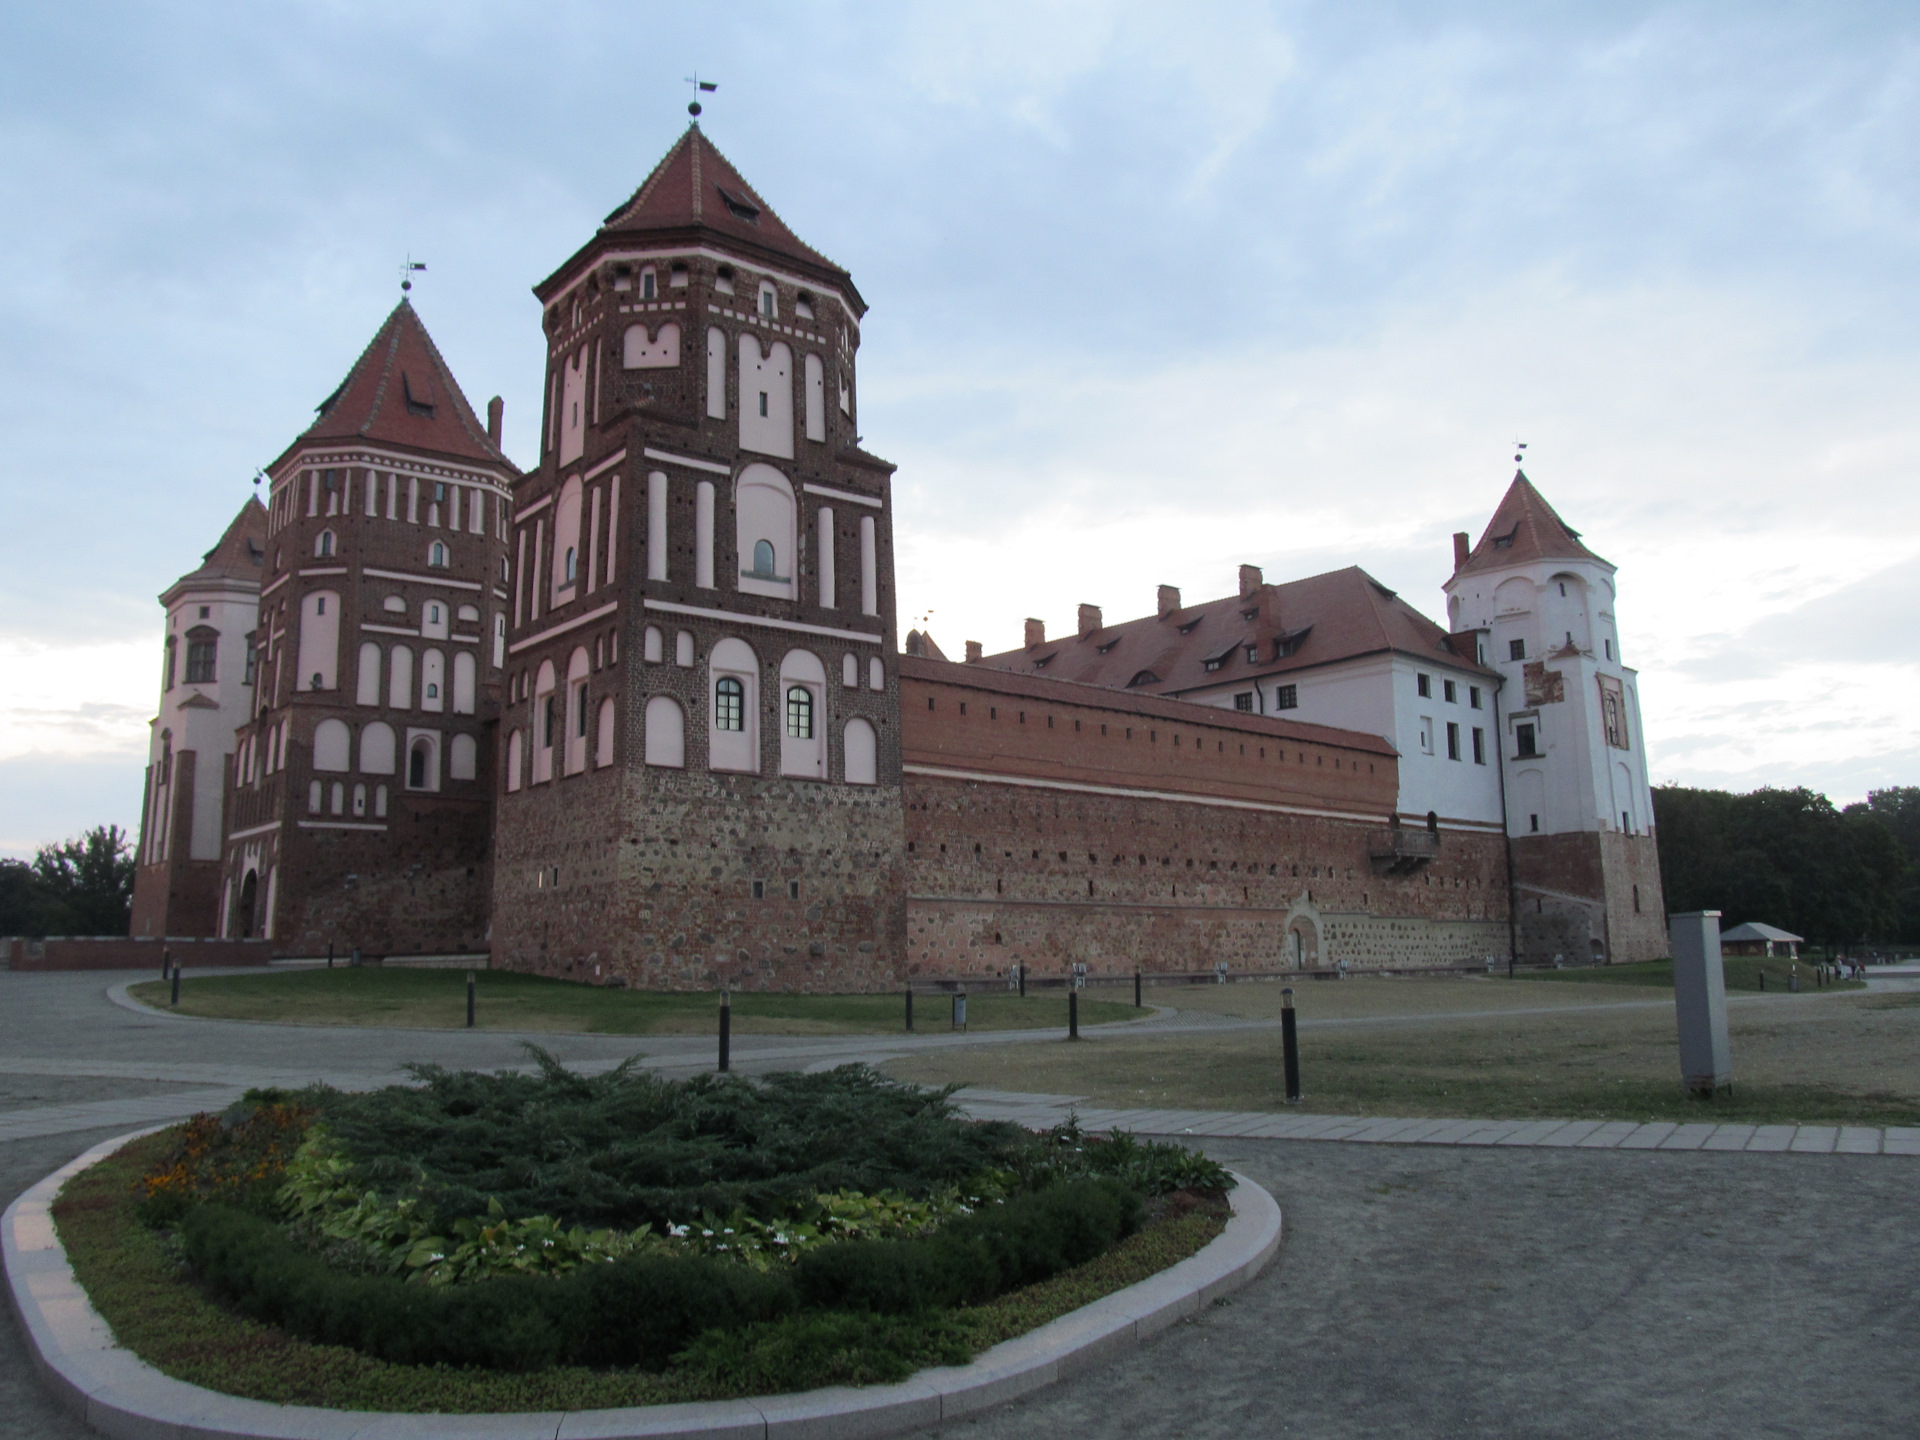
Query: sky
x=1156, y=290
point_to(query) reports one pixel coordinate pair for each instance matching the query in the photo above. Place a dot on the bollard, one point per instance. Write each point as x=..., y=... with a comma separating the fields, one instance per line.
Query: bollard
x=1289, y=1047
x=469, y=999
x=1763, y=979
x=1073, y=1014
x=1136, y=990
x=726, y=1032
x=960, y=1010
x=176, y=986
x=329, y=954
x=166, y=963
x=356, y=957
x=1023, y=982
x=909, y=1009
x=1793, y=982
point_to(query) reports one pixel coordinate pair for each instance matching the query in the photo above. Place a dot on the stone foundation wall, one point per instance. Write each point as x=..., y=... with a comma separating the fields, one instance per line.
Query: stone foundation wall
x=121, y=952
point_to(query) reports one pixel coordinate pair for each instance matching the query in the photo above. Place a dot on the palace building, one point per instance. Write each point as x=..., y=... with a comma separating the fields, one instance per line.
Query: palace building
x=641, y=715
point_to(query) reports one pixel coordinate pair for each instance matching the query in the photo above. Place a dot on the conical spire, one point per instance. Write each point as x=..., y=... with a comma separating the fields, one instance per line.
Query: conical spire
x=401, y=392
x=696, y=187
x=240, y=552
x=1525, y=527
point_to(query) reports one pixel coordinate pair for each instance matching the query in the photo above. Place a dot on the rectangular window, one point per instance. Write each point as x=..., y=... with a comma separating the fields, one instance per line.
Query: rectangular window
x=759, y=889
x=1613, y=711
x=1607, y=645
x=1479, y=746
x=1243, y=701
x=1626, y=821
x=1423, y=686
x=1426, y=734
x=1473, y=696
x=1286, y=697
x=1533, y=824
x=1524, y=742
x=1451, y=691
x=580, y=711
x=1453, y=741
x=1516, y=649
x=763, y=402
x=199, y=661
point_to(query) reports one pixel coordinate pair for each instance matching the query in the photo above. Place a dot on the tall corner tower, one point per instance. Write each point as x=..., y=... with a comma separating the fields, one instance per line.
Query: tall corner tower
x=700, y=778
x=206, y=694
x=1573, y=757
x=362, y=782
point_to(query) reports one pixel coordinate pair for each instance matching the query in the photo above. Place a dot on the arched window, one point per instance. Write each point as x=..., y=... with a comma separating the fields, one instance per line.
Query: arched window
x=400, y=678
x=433, y=681
x=313, y=797
x=579, y=667
x=729, y=704
x=799, y=712
x=648, y=285
x=603, y=736
x=861, y=758
x=423, y=771
x=765, y=515
x=666, y=739
x=323, y=545
x=762, y=565
x=368, y=680
x=339, y=805
x=850, y=671
x=202, y=647
x=437, y=555
x=360, y=801
x=376, y=748
x=465, y=669
x=566, y=542
x=332, y=743
x=463, y=757
x=379, y=802
x=876, y=673
x=650, y=648
x=513, y=761
x=769, y=301
x=572, y=564
x=172, y=656
x=319, y=640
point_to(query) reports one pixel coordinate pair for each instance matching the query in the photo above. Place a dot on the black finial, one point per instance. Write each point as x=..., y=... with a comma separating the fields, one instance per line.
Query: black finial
x=406, y=271
x=699, y=86
x=1518, y=446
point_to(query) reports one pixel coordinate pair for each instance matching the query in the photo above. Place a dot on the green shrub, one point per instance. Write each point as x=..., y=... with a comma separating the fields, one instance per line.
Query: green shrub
x=1151, y=1167
x=629, y=1148
x=238, y=1157
x=803, y=1351
x=635, y=1312
x=1030, y=1238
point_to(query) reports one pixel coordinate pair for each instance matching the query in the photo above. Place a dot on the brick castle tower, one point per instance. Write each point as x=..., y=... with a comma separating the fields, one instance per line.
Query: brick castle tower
x=362, y=786
x=701, y=747
x=1540, y=608
x=206, y=693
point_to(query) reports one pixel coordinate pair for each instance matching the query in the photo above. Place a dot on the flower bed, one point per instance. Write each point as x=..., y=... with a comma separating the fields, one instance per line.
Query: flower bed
x=516, y=1243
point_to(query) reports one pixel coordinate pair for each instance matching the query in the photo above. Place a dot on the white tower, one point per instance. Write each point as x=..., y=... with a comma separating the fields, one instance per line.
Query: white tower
x=1573, y=758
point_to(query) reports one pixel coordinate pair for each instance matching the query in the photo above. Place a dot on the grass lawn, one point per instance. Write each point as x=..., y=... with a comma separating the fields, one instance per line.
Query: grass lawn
x=139, y=1288
x=1742, y=972
x=437, y=1000
x=1810, y=1058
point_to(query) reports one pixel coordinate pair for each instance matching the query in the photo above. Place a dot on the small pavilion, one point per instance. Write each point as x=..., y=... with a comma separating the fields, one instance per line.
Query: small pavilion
x=1753, y=938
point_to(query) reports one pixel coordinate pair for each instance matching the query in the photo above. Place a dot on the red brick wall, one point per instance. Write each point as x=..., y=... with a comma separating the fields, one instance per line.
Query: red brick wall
x=110, y=952
x=1574, y=898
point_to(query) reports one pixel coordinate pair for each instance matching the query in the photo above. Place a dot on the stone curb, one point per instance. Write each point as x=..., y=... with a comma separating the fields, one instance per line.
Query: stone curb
x=121, y=1396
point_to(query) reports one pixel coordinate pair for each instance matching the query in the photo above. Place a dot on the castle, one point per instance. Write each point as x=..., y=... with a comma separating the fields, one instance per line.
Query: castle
x=642, y=715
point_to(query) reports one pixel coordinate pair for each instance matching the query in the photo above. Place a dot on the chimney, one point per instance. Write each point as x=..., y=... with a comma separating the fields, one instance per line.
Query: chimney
x=1462, y=547
x=494, y=408
x=1089, y=620
x=1036, y=632
x=973, y=652
x=1250, y=580
x=1167, y=600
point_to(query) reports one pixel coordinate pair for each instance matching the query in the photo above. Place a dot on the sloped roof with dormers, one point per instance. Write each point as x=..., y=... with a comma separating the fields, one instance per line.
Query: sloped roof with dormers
x=696, y=194
x=401, y=392
x=1298, y=625
x=1524, y=528
x=239, y=554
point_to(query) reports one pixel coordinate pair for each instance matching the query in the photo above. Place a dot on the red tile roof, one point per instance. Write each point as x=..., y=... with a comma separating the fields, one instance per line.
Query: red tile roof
x=239, y=554
x=1298, y=625
x=400, y=392
x=694, y=193
x=1524, y=527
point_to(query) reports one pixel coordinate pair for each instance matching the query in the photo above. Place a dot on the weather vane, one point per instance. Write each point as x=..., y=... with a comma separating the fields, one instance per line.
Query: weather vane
x=1518, y=447
x=699, y=86
x=406, y=273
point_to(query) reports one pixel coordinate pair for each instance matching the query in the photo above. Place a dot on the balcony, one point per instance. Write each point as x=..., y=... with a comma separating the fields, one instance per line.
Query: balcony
x=1399, y=851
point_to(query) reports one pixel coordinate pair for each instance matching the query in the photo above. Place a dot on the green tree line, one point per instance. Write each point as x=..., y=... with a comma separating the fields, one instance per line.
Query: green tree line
x=1792, y=858
x=78, y=887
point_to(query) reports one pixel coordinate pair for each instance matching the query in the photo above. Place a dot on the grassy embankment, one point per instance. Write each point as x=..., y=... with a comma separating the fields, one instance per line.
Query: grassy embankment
x=425, y=999
x=1486, y=1048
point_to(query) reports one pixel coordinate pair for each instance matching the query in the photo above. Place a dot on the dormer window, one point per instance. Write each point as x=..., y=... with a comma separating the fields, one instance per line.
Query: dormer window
x=419, y=395
x=769, y=301
x=1192, y=625
x=1143, y=677
x=739, y=206
x=1103, y=649
x=647, y=284
x=1253, y=654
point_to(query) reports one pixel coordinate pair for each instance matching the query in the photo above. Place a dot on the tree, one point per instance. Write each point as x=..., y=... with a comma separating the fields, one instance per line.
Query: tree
x=78, y=887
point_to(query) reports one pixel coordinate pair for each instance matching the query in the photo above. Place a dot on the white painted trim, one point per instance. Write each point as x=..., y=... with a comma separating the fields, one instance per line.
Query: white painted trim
x=1219, y=802
x=251, y=831
x=687, y=460
x=534, y=509
x=465, y=639
x=573, y=624
x=726, y=257
x=323, y=570
x=375, y=458
x=606, y=464
x=765, y=621
x=449, y=583
x=336, y=825
x=276, y=585
x=388, y=629
x=812, y=489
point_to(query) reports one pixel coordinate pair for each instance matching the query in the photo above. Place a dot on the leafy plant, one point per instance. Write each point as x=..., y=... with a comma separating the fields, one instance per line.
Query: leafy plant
x=237, y=1158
